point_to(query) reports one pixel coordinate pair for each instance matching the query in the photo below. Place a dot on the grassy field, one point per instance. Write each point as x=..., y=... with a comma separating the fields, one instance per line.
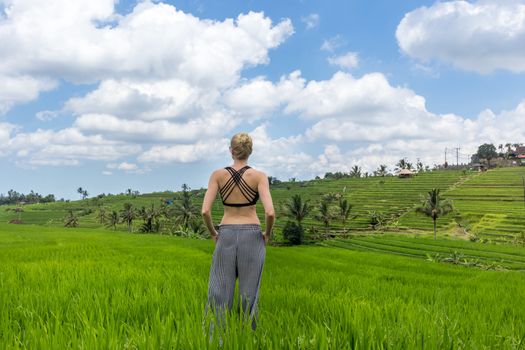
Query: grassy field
x=488, y=204
x=86, y=288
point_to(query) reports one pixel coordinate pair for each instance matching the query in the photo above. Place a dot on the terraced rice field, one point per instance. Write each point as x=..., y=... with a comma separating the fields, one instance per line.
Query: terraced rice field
x=489, y=204
x=91, y=288
x=391, y=196
x=495, y=256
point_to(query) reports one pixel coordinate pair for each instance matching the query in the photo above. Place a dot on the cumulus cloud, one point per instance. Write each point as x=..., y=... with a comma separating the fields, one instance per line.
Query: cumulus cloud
x=185, y=153
x=346, y=61
x=64, y=147
x=281, y=156
x=16, y=89
x=369, y=99
x=480, y=36
x=311, y=21
x=259, y=97
x=138, y=131
x=161, y=76
x=86, y=41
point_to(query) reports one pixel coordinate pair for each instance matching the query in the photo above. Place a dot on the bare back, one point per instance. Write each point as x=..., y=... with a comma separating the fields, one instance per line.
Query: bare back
x=244, y=214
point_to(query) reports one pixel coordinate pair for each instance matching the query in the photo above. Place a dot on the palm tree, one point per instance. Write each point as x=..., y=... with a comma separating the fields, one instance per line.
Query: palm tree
x=420, y=166
x=297, y=209
x=382, y=170
x=185, y=210
x=509, y=148
x=102, y=215
x=128, y=214
x=151, y=219
x=355, y=171
x=344, y=212
x=434, y=206
x=325, y=214
x=113, y=220
x=71, y=220
x=402, y=164
x=80, y=191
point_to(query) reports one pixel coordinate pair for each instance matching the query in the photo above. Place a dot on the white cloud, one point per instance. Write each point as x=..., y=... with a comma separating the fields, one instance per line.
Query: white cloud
x=346, y=61
x=162, y=74
x=147, y=100
x=333, y=43
x=282, y=157
x=185, y=153
x=130, y=168
x=311, y=21
x=369, y=99
x=16, y=89
x=46, y=115
x=138, y=131
x=5, y=134
x=259, y=97
x=480, y=36
x=86, y=41
x=64, y=147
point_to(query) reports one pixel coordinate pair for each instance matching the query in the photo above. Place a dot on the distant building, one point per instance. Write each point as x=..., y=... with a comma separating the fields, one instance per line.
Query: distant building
x=519, y=154
x=404, y=173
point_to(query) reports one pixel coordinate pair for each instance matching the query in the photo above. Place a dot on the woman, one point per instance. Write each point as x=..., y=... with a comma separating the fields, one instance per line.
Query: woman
x=240, y=245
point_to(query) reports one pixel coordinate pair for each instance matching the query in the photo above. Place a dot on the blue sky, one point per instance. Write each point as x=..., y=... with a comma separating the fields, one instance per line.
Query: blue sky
x=145, y=95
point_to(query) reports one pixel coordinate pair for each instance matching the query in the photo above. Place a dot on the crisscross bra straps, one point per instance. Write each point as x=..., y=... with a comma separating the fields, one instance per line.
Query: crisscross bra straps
x=236, y=179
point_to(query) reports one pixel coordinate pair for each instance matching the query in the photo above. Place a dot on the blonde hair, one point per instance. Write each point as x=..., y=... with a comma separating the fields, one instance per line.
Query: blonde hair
x=241, y=145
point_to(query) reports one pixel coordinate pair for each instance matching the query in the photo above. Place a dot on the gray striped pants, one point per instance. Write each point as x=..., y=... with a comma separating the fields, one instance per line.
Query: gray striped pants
x=239, y=253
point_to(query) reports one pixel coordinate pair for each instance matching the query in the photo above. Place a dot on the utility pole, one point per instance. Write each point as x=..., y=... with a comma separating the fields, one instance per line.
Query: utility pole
x=457, y=155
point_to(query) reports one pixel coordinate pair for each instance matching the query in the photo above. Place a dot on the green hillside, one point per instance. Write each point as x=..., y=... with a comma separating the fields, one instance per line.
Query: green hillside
x=488, y=204
x=87, y=288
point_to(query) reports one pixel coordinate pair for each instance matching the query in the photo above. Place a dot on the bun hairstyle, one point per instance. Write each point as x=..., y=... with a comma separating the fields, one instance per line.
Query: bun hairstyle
x=241, y=146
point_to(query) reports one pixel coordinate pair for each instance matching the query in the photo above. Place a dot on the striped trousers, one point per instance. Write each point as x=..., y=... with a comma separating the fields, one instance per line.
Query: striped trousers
x=239, y=253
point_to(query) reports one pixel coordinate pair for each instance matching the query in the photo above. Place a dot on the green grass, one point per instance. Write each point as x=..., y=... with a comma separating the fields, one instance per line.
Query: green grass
x=85, y=288
x=505, y=256
x=488, y=204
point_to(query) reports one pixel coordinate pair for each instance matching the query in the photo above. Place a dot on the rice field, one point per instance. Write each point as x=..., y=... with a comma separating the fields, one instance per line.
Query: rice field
x=489, y=204
x=92, y=288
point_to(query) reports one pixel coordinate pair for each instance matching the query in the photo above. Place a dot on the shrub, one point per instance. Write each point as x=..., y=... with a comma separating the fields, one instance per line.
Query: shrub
x=376, y=219
x=293, y=233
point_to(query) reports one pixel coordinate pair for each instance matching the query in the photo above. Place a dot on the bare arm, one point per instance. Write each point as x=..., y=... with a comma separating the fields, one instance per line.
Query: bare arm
x=266, y=199
x=209, y=198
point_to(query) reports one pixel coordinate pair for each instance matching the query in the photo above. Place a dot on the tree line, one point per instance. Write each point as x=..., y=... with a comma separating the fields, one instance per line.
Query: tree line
x=14, y=197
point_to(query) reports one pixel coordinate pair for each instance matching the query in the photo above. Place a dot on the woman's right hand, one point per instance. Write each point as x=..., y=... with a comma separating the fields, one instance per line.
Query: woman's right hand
x=215, y=237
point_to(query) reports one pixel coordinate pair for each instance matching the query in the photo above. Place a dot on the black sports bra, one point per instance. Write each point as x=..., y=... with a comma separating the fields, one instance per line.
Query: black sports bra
x=236, y=179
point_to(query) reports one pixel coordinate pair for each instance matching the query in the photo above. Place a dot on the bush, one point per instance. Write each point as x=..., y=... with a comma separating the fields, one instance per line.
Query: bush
x=376, y=219
x=293, y=233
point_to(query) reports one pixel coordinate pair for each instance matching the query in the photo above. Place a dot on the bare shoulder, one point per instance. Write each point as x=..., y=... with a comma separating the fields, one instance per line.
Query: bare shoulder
x=260, y=175
x=217, y=173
